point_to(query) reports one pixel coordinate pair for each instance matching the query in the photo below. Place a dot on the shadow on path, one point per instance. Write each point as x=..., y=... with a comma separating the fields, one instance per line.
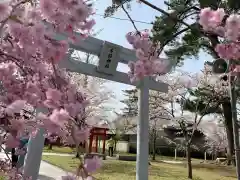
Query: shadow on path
x=43, y=177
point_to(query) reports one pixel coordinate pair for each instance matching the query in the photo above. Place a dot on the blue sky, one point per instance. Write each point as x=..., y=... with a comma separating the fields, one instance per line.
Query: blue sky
x=115, y=30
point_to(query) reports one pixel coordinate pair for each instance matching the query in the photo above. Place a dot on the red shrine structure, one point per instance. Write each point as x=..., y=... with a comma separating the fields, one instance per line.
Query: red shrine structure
x=95, y=133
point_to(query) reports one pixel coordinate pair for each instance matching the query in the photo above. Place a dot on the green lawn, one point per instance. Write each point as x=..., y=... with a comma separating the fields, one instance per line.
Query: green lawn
x=69, y=150
x=57, y=149
x=115, y=170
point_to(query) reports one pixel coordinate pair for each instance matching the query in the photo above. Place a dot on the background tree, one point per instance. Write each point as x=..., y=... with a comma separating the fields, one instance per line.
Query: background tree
x=131, y=106
x=158, y=117
x=216, y=138
x=214, y=87
x=119, y=127
x=186, y=121
x=181, y=88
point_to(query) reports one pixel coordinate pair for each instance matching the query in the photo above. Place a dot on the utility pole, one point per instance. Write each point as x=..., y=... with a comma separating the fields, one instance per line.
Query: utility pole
x=233, y=99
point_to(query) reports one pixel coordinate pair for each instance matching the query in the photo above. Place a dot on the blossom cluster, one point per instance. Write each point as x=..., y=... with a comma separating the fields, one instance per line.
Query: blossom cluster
x=225, y=26
x=148, y=63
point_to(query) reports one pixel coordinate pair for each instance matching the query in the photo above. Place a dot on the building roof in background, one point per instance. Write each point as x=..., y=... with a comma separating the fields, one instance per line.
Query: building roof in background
x=128, y=125
x=102, y=124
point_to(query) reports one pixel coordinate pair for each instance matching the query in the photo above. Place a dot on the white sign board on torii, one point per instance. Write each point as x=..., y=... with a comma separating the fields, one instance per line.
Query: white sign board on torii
x=109, y=56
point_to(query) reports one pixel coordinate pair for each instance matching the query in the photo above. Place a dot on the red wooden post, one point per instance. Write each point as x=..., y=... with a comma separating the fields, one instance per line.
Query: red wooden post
x=96, y=148
x=95, y=132
x=90, y=143
x=104, y=142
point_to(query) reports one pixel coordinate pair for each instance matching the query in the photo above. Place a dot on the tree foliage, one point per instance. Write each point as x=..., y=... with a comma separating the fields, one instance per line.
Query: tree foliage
x=131, y=108
x=187, y=39
x=201, y=102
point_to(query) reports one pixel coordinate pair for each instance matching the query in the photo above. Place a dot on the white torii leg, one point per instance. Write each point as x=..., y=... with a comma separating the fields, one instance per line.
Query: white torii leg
x=34, y=155
x=34, y=151
x=142, y=131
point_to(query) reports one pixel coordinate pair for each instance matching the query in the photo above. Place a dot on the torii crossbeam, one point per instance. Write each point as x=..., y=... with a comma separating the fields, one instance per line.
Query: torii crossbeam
x=109, y=56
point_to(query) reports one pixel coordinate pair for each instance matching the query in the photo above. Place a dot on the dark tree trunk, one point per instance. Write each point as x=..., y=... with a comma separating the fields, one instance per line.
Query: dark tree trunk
x=14, y=158
x=115, y=146
x=189, y=162
x=77, y=155
x=229, y=130
x=154, y=145
x=50, y=146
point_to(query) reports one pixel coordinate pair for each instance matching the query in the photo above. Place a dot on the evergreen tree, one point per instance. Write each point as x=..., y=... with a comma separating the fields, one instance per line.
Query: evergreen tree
x=131, y=102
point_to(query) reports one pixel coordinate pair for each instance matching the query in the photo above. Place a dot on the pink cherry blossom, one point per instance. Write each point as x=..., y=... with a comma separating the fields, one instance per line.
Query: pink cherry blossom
x=11, y=142
x=217, y=16
x=69, y=177
x=31, y=78
x=148, y=62
x=53, y=97
x=17, y=124
x=80, y=135
x=90, y=178
x=233, y=22
x=47, y=7
x=92, y=164
x=210, y=19
x=5, y=10
x=15, y=107
x=205, y=15
x=59, y=117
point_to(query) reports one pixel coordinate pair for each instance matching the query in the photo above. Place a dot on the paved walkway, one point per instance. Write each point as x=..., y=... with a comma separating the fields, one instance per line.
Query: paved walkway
x=57, y=154
x=50, y=172
x=72, y=155
x=172, y=162
x=47, y=171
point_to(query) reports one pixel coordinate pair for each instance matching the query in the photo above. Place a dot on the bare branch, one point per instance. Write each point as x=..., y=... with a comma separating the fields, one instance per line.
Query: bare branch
x=172, y=16
x=138, y=32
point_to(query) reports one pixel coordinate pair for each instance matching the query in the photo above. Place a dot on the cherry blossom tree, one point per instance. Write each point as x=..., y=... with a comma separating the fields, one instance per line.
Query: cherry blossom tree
x=182, y=85
x=30, y=76
x=159, y=116
x=216, y=138
x=31, y=79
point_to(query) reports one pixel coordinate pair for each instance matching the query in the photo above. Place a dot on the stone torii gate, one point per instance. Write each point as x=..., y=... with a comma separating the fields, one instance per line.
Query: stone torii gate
x=109, y=56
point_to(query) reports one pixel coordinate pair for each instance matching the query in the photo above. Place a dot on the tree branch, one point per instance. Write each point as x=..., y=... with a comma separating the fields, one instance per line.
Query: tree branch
x=129, y=17
x=173, y=37
x=165, y=13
